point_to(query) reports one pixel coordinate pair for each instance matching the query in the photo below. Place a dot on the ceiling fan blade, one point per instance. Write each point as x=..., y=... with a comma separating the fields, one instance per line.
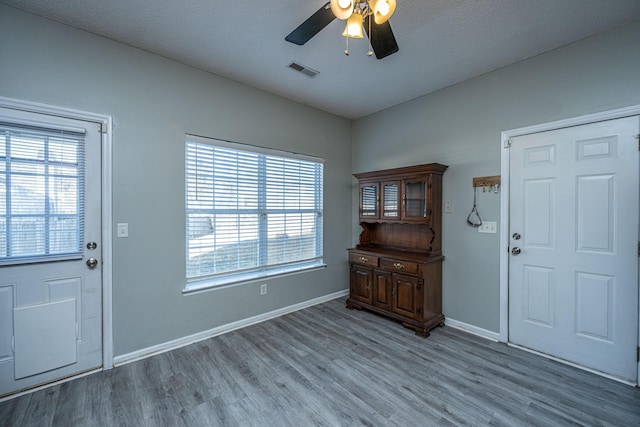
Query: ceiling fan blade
x=382, y=39
x=311, y=26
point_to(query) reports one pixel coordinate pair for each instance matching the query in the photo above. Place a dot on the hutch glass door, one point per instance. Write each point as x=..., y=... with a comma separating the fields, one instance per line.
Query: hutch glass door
x=415, y=200
x=391, y=200
x=369, y=201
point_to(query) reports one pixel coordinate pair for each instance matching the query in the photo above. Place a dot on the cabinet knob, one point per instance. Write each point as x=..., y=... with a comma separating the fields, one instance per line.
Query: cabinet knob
x=364, y=259
x=398, y=266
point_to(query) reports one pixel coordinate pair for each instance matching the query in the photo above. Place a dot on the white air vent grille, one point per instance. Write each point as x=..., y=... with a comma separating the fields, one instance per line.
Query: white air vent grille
x=310, y=72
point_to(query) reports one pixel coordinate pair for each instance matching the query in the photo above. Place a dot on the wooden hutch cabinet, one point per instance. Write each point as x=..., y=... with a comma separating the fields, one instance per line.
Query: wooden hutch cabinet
x=396, y=268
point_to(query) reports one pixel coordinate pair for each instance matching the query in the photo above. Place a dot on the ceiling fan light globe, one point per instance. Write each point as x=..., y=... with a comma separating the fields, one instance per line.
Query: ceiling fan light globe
x=342, y=9
x=353, y=28
x=382, y=10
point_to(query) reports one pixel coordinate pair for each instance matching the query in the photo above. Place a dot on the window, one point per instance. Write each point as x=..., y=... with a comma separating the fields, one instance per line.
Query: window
x=41, y=193
x=251, y=212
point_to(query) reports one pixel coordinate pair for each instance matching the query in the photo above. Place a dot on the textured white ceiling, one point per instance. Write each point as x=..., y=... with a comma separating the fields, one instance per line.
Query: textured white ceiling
x=442, y=42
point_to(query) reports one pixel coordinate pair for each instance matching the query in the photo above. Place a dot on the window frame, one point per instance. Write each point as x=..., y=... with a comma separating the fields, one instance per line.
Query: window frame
x=261, y=271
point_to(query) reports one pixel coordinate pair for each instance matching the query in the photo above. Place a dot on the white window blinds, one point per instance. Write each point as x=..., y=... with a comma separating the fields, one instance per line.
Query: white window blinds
x=41, y=193
x=250, y=213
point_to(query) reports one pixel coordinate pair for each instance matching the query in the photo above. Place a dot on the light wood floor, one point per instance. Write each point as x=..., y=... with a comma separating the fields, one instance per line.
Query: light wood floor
x=328, y=366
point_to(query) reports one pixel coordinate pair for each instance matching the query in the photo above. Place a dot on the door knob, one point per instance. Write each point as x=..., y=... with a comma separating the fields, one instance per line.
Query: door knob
x=515, y=251
x=92, y=263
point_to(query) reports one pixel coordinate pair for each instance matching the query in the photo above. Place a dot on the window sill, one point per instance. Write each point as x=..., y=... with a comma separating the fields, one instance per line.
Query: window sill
x=198, y=286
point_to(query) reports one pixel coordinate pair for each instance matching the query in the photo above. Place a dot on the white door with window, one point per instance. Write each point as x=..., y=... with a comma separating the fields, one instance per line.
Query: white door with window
x=573, y=241
x=50, y=249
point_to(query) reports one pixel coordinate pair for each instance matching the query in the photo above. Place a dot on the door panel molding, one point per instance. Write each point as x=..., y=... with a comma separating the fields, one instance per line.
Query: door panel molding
x=590, y=148
x=41, y=329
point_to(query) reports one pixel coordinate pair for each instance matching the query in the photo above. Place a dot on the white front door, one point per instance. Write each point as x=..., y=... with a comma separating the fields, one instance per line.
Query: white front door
x=50, y=235
x=573, y=237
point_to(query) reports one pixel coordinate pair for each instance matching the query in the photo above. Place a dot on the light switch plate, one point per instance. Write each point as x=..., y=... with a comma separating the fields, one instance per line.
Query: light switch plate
x=448, y=207
x=122, y=229
x=488, y=227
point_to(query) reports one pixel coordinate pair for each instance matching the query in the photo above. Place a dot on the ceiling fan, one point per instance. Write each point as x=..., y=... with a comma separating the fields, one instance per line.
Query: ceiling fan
x=358, y=13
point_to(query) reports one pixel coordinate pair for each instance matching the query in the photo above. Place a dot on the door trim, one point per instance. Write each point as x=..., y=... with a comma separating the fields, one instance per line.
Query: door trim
x=505, y=136
x=107, y=249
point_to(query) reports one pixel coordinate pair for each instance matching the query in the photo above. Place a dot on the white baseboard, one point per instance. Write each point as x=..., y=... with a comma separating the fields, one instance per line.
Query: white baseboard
x=200, y=336
x=483, y=333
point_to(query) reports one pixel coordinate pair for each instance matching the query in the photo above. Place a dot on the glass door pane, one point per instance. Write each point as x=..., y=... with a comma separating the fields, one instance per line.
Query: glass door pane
x=415, y=202
x=41, y=193
x=391, y=200
x=369, y=201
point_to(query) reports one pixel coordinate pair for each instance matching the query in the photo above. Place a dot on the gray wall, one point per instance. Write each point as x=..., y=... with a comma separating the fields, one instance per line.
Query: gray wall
x=460, y=127
x=154, y=102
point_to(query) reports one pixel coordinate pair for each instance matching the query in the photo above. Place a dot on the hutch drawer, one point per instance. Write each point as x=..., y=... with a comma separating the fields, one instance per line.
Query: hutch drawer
x=403, y=266
x=363, y=259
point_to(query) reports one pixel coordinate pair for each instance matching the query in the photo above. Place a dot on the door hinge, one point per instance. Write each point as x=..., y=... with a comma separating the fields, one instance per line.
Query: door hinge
x=638, y=355
x=102, y=128
x=639, y=249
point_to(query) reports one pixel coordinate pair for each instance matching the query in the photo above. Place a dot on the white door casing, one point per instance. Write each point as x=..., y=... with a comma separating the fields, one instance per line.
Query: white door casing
x=573, y=290
x=52, y=311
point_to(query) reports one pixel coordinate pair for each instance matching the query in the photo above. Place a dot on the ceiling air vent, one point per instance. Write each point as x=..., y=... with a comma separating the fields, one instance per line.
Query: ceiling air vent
x=310, y=72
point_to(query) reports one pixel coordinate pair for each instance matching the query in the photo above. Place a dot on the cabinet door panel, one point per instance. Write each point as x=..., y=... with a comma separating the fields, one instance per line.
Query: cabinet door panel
x=391, y=200
x=405, y=289
x=369, y=201
x=414, y=202
x=382, y=289
x=360, y=283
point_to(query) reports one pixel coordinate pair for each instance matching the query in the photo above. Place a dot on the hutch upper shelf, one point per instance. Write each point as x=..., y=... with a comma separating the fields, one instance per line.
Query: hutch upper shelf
x=400, y=195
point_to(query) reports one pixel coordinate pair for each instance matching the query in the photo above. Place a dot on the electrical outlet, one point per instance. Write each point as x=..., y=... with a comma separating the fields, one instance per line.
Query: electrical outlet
x=488, y=227
x=263, y=289
x=448, y=207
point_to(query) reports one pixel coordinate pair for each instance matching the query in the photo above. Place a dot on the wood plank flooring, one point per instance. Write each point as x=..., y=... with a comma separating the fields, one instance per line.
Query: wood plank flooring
x=328, y=366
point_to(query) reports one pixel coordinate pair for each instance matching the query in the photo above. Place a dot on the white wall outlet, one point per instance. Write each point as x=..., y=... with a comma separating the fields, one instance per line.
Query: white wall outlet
x=488, y=227
x=448, y=207
x=263, y=289
x=122, y=229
